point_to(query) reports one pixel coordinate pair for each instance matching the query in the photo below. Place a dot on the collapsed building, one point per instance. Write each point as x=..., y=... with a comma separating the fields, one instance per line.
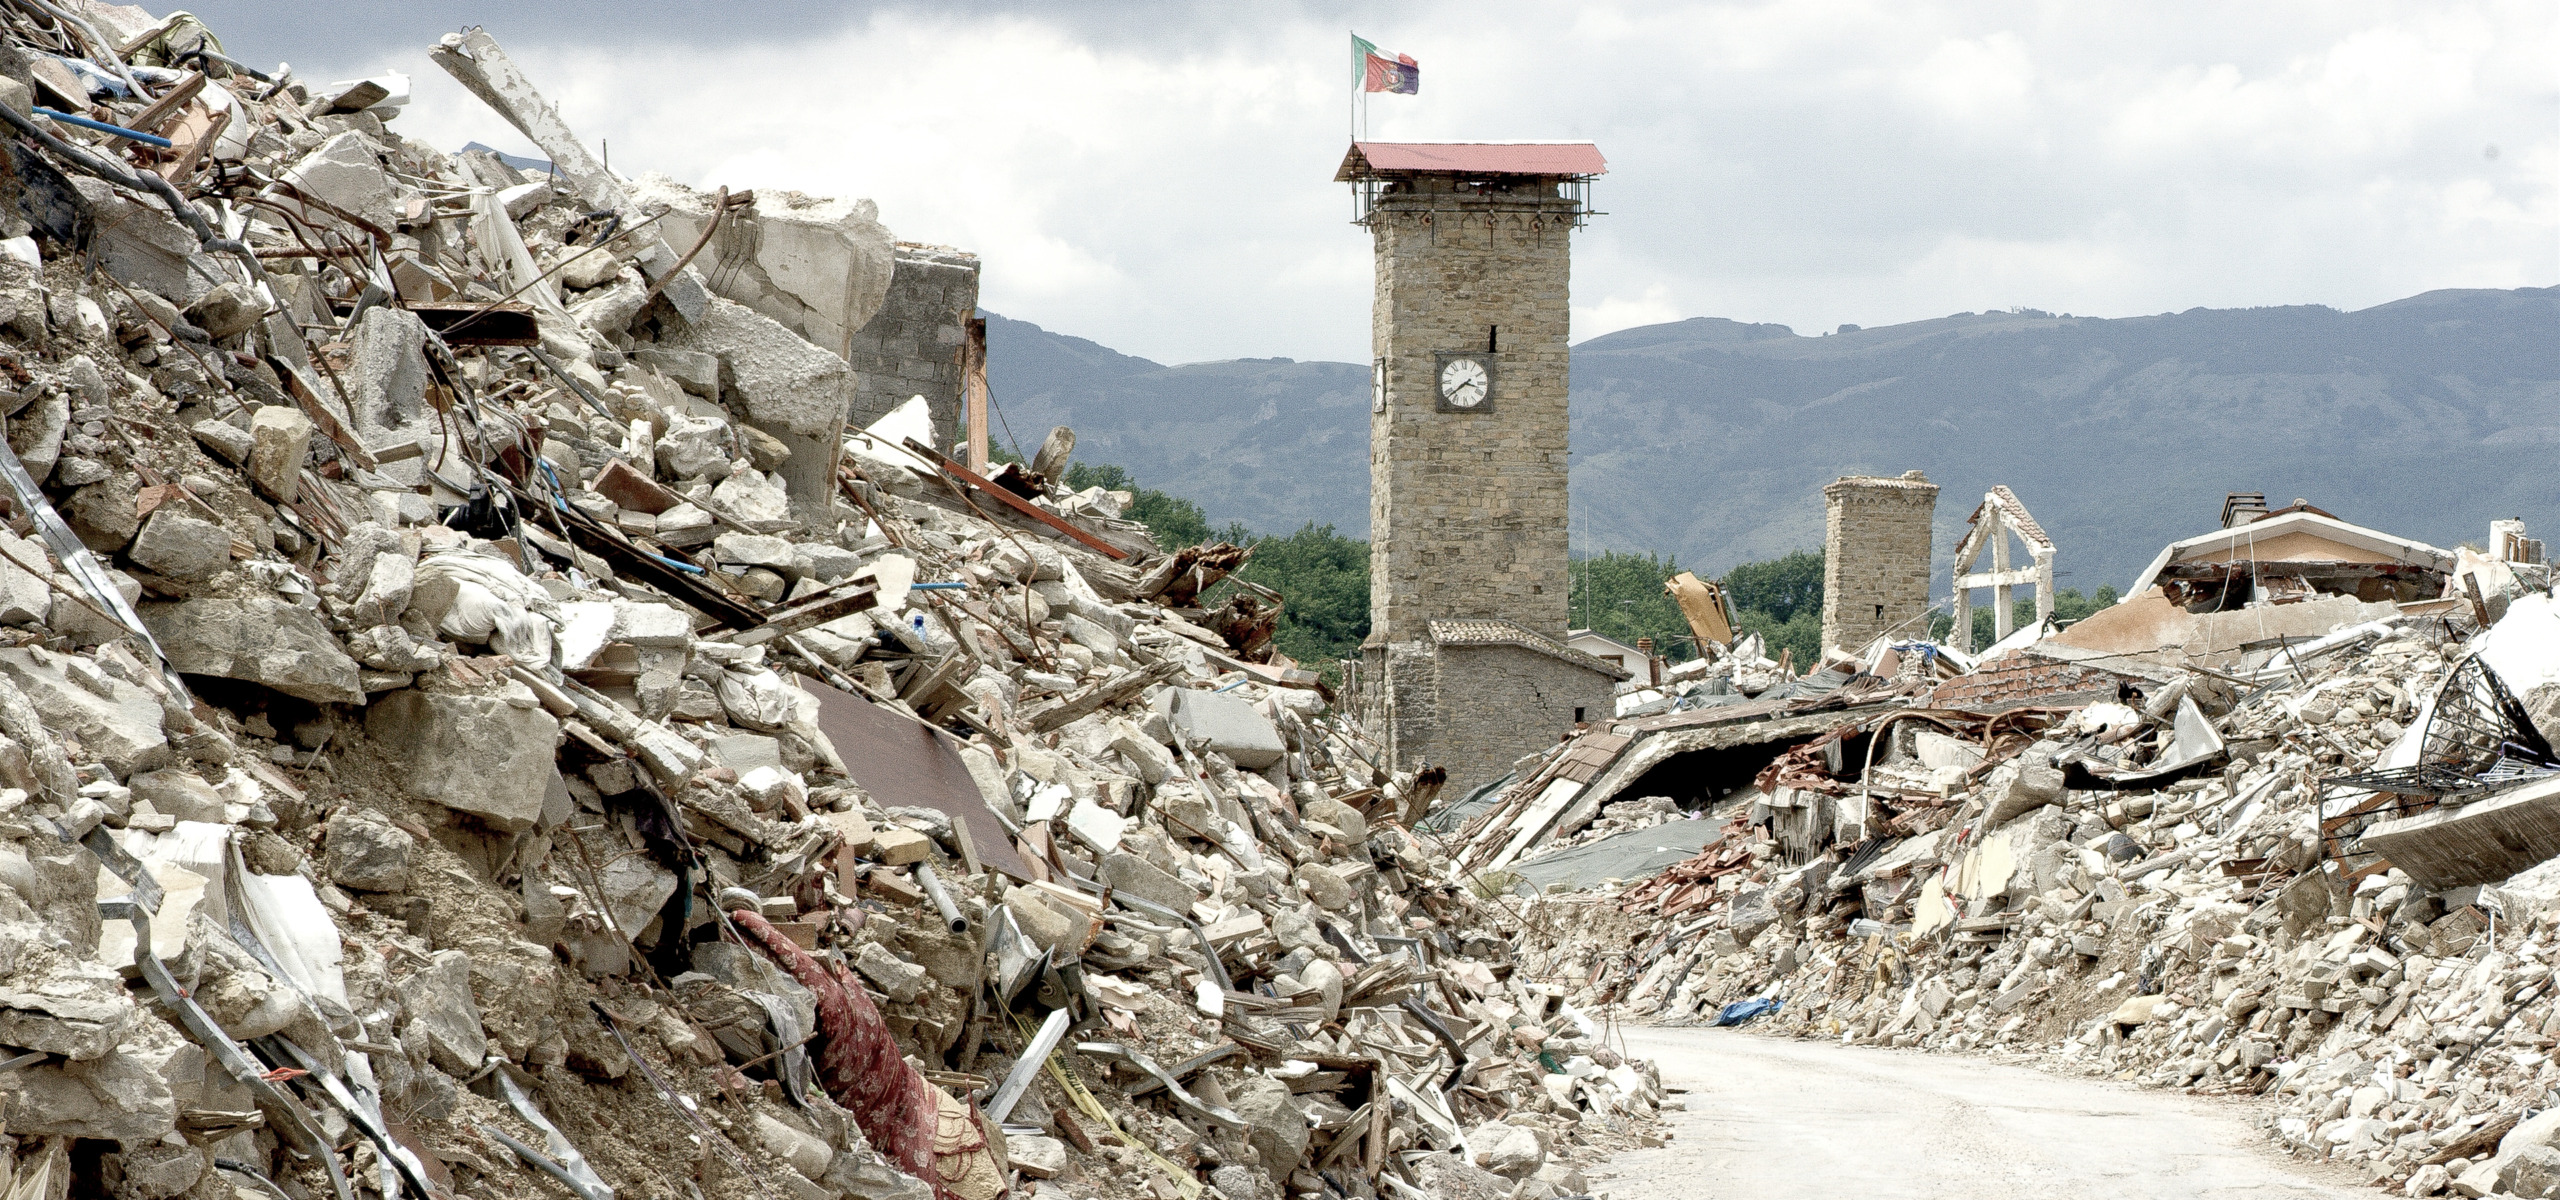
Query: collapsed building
x=486, y=709
x=2280, y=823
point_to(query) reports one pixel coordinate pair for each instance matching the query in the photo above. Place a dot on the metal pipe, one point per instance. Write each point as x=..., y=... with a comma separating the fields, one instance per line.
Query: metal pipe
x=131, y=135
x=933, y=891
x=137, y=181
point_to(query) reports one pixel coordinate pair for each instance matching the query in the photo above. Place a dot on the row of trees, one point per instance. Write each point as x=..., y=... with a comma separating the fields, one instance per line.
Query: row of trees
x=1325, y=578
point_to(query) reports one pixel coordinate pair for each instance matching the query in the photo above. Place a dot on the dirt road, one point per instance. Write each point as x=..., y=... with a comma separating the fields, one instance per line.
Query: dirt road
x=1774, y=1119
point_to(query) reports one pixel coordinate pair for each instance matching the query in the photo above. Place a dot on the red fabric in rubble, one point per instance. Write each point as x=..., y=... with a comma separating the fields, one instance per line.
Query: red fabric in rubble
x=858, y=1062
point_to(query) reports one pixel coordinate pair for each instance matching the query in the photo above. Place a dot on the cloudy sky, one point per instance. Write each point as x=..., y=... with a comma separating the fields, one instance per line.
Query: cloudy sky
x=1156, y=175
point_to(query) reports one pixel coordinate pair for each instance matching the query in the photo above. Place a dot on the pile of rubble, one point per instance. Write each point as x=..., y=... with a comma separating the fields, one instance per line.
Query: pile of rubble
x=2320, y=872
x=471, y=713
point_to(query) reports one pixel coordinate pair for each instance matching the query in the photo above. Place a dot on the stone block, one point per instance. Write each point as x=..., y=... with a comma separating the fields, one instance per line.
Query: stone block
x=114, y=721
x=1275, y=1123
x=1227, y=724
x=747, y=752
x=366, y=852
x=1325, y=886
x=183, y=795
x=474, y=753
x=651, y=625
x=24, y=597
x=898, y=979
x=899, y=846
x=1138, y=877
x=444, y=1015
x=180, y=550
x=1036, y=1156
x=259, y=639
x=695, y=371
x=343, y=172
x=2030, y=787
x=279, y=446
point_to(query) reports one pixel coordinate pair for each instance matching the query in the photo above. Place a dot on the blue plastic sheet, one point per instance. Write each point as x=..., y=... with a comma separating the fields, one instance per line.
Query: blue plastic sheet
x=1743, y=1010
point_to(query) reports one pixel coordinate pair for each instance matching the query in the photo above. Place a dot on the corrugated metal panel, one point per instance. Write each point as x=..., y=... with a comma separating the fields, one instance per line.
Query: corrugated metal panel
x=1479, y=158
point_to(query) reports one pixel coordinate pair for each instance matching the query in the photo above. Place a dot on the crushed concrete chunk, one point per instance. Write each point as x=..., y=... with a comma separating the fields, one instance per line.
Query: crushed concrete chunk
x=473, y=753
x=258, y=639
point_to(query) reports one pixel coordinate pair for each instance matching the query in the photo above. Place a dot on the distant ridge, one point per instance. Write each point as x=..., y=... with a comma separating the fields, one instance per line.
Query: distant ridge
x=1712, y=438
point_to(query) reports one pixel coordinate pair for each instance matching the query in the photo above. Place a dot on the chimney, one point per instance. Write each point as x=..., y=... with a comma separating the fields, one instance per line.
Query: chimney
x=2240, y=508
x=1652, y=663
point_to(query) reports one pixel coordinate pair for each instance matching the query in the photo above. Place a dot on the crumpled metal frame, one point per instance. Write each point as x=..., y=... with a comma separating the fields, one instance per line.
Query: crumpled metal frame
x=1206, y=1111
x=77, y=562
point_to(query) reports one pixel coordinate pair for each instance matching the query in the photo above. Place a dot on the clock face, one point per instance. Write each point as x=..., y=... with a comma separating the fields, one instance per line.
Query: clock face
x=1464, y=383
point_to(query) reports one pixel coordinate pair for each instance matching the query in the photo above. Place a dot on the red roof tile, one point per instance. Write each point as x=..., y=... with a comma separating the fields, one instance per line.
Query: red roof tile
x=1474, y=158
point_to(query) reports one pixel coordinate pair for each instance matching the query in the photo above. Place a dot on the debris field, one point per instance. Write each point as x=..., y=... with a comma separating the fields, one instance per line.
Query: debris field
x=478, y=719
x=2301, y=849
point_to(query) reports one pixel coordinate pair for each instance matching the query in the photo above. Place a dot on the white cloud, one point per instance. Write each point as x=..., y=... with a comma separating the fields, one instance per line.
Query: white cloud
x=1167, y=191
x=1613, y=313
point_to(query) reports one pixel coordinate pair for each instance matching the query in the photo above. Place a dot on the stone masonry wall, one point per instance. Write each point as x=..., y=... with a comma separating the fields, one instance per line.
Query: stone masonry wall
x=1410, y=674
x=1497, y=703
x=1467, y=510
x=912, y=347
x=1875, y=570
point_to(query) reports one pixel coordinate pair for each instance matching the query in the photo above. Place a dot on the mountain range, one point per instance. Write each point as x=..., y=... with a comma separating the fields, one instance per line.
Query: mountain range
x=1711, y=439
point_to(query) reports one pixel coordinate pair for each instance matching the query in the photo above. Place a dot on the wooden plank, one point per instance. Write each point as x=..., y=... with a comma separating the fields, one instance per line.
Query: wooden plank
x=842, y=600
x=1111, y=691
x=1541, y=814
x=1187, y=1068
x=1014, y=502
x=630, y=561
x=308, y=399
x=150, y=120
x=975, y=377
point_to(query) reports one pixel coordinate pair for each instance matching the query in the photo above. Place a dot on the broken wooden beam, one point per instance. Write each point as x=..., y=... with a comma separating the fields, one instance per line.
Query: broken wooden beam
x=842, y=600
x=1111, y=691
x=1014, y=502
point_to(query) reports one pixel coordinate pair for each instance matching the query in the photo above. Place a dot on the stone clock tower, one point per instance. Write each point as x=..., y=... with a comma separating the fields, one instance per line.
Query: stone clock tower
x=1468, y=445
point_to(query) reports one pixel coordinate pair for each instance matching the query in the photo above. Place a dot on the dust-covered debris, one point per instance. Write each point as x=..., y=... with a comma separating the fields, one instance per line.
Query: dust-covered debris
x=474, y=720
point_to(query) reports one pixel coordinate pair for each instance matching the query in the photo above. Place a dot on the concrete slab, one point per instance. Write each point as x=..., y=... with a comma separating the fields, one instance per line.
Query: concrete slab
x=2483, y=842
x=1228, y=724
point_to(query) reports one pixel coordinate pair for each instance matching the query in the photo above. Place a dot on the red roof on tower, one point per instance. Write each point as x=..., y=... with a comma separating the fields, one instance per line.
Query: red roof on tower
x=1473, y=158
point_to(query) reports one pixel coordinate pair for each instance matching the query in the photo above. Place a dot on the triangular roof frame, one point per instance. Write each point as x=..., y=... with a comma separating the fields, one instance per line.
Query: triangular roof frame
x=2302, y=519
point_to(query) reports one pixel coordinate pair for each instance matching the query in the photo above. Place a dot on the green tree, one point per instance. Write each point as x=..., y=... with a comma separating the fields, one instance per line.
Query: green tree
x=1779, y=588
x=1801, y=632
x=1323, y=577
x=1781, y=600
x=1619, y=595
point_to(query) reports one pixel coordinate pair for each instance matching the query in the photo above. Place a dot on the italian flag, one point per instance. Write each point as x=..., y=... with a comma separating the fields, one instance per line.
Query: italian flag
x=1379, y=72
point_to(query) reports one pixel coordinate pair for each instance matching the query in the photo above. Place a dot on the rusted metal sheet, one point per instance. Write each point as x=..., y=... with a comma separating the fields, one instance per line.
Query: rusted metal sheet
x=1475, y=158
x=901, y=760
